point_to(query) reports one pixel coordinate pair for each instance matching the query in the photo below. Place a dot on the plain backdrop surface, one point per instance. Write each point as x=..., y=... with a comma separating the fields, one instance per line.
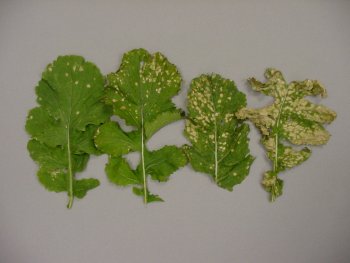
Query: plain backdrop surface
x=199, y=222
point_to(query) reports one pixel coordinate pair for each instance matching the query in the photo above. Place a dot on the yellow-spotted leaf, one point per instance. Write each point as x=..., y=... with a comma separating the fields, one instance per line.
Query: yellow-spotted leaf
x=140, y=93
x=219, y=140
x=290, y=120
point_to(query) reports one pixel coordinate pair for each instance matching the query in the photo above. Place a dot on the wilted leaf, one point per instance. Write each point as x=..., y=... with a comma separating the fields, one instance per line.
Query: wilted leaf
x=290, y=119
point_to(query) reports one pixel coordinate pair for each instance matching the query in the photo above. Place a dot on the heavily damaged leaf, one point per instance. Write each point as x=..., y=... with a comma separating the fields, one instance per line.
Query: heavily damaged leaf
x=219, y=140
x=289, y=120
x=140, y=92
x=62, y=127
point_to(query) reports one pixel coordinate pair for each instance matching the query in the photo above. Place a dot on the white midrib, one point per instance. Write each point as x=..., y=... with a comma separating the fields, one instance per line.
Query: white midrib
x=70, y=171
x=216, y=168
x=143, y=159
x=275, y=163
x=69, y=153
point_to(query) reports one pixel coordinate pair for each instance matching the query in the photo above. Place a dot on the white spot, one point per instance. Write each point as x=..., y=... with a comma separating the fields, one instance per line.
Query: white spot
x=76, y=82
x=66, y=74
x=50, y=69
x=114, y=100
x=67, y=63
x=31, y=117
x=77, y=113
x=81, y=68
x=88, y=86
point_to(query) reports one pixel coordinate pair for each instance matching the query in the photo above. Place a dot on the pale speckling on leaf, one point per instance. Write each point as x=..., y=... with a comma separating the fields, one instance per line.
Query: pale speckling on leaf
x=62, y=127
x=140, y=92
x=290, y=120
x=220, y=144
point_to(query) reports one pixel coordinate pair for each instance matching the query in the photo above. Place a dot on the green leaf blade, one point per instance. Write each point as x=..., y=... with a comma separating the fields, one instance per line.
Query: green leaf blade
x=62, y=127
x=140, y=92
x=160, y=164
x=162, y=120
x=120, y=173
x=111, y=139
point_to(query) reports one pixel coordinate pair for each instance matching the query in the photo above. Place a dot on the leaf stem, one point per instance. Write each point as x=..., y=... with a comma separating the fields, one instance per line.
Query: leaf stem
x=143, y=160
x=70, y=172
x=275, y=162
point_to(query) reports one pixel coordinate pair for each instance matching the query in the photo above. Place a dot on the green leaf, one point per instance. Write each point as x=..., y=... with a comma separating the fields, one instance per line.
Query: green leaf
x=120, y=173
x=162, y=163
x=62, y=127
x=81, y=186
x=219, y=140
x=162, y=120
x=55, y=157
x=54, y=180
x=140, y=92
x=111, y=139
x=150, y=197
x=289, y=120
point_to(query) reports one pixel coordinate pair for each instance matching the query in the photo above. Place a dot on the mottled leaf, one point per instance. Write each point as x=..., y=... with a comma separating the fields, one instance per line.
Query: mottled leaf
x=62, y=127
x=140, y=93
x=289, y=120
x=219, y=140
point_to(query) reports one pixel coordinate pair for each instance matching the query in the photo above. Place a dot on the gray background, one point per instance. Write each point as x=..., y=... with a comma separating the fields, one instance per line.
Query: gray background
x=199, y=222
